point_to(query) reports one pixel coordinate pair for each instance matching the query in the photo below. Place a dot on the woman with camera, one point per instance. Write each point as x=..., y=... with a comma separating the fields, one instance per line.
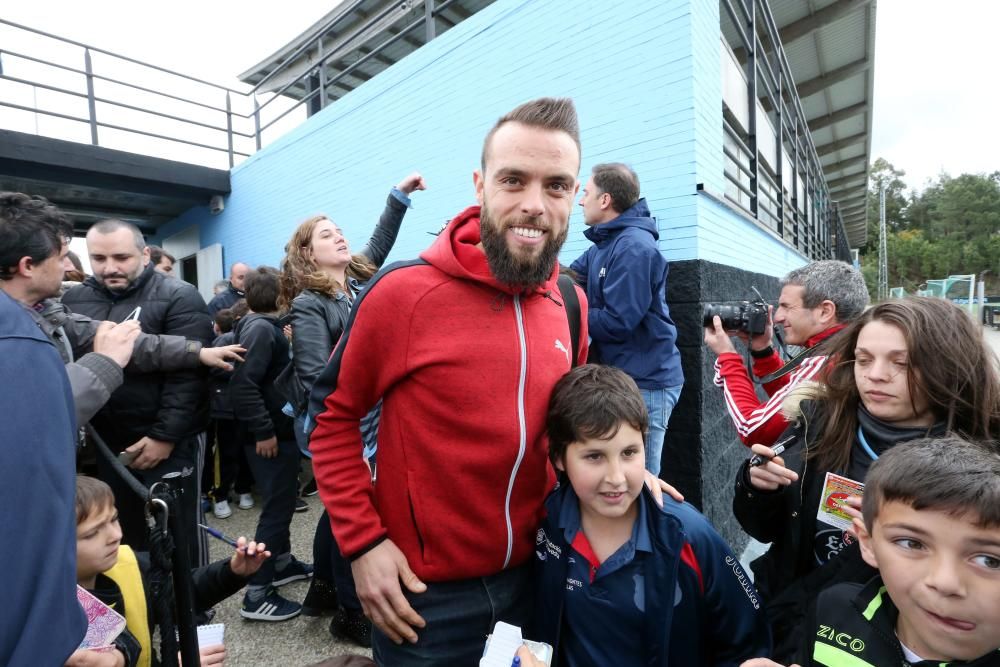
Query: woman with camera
x=905, y=369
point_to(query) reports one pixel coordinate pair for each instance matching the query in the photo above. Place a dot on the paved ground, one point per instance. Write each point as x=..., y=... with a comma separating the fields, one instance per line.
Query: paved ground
x=295, y=643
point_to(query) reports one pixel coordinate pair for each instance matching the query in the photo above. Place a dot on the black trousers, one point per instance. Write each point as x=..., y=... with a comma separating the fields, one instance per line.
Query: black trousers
x=278, y=484
x=185, y=459
x=329, y=564
x=234, y=469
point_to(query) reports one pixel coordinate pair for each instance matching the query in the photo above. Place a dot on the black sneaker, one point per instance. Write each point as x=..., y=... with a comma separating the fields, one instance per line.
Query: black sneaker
x=309, y=489
x=301, y=505
x=271, y=607
x=322, y=597
x=294, y=571
x=353, y=626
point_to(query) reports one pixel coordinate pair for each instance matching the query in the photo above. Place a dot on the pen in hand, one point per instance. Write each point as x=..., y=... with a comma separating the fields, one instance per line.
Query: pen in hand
x=218, y=535
x=759, y=459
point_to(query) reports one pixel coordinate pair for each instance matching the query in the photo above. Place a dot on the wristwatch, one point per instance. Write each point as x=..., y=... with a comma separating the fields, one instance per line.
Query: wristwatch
x=762, y=354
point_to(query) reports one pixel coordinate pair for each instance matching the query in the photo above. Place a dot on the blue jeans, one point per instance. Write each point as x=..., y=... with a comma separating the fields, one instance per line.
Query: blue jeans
x=660, y=403
x=459, y=615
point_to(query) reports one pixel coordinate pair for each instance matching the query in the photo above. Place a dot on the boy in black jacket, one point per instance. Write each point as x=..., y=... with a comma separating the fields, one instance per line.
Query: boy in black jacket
x=931, y=512
x=116, y=575
x=272, y=454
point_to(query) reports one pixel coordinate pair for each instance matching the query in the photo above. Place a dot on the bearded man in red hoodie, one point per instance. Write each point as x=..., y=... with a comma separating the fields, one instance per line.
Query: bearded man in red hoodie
x=464, y=346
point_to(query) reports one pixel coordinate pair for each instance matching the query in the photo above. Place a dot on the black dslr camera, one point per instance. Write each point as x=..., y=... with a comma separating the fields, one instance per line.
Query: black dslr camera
x=749, y=317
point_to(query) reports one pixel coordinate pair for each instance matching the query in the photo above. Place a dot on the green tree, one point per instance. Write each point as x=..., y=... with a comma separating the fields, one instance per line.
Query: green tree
x=952, y=227
x=884, y=174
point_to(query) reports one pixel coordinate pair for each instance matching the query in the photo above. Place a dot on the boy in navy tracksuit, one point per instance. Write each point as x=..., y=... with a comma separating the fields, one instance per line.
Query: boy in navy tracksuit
x=622, y=581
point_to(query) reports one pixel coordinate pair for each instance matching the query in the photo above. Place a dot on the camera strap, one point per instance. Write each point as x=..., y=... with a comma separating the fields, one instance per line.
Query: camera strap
x=790, y=365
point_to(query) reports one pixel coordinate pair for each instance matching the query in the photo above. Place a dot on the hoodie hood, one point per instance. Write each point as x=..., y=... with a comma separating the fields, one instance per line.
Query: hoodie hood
x=243, y=322
x=636, y=216
x=456, y=252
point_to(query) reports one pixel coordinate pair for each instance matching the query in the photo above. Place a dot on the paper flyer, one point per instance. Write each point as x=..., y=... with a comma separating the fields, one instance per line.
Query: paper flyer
x=836, y=489
x=103, y=622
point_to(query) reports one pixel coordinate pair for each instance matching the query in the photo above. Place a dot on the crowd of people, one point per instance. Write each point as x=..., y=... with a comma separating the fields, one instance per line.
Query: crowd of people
x=486, y=428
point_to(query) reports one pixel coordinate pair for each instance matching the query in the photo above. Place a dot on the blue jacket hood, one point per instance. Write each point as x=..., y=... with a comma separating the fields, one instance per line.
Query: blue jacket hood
x=636, y=216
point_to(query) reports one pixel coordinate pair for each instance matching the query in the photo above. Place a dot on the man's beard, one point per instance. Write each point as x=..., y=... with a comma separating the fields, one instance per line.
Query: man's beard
x=119, y=289
x=508, y=268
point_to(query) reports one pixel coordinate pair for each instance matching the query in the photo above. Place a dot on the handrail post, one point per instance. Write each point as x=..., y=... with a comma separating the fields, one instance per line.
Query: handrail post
x=431, y=32
x=229, y=128
x=91, y=104
x=322, y=72
x=256, y=119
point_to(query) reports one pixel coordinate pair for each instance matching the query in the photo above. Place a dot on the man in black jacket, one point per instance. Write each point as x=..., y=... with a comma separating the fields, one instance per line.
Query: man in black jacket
x=233, y=293
x=158, y=418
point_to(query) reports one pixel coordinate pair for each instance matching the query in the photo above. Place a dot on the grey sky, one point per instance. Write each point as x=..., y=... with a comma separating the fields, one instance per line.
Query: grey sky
x=936, y=93
x=935, y=66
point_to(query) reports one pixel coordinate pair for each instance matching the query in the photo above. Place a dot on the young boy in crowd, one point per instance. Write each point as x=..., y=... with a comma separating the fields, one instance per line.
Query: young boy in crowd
x=225, y=437
x=114, y=574
x=271, y=449
x=622, y=581
x=931, y=526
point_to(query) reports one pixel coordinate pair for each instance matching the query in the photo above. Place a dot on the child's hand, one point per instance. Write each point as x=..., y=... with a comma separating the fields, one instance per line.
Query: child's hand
x=212, y=655
x=248, y=557
x=528, y=658
x=87, y=658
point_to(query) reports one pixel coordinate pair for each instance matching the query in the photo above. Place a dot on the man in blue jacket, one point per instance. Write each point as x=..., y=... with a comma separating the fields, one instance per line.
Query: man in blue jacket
x=42, y=622
x=625, y=276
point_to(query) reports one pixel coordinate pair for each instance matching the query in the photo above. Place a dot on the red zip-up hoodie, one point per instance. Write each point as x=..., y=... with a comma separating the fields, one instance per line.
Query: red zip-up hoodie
x=465, y=366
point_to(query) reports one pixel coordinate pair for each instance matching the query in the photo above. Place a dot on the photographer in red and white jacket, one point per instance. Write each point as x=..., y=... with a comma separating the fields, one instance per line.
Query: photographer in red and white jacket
x=816, y=301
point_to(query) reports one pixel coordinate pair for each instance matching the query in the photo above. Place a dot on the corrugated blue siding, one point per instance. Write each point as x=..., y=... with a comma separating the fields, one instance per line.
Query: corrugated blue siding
x=645, y=76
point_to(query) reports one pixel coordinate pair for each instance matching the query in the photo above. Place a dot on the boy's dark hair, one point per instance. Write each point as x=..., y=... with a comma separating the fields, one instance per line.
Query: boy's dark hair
x=944, y=474
x=619, y=181
x=224, y=320
x=261, y=288
x=239, y=310
x=548, y=113
x=156, y=253
x=592, y=402
x=29, y=227
x=92, y=495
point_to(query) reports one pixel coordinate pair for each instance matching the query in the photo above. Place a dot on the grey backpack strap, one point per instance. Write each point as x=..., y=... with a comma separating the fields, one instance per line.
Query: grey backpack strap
x=572, y=305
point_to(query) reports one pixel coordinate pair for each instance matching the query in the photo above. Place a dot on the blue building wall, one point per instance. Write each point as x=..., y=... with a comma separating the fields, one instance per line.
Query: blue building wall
x=646, y=79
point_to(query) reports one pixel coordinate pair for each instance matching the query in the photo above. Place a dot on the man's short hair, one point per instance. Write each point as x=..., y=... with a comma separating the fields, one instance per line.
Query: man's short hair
x=834, y=280
x=549, y=113
x=224, y=320
x=592, y=402
x=112, y=225
x=620, y=181
x=156, y=253
x=944, y=474
x=29, y=227
x=262, y=287
x=92, y=495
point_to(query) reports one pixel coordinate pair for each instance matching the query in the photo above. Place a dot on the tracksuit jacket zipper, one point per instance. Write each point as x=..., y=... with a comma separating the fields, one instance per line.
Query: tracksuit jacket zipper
x=522, y=440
